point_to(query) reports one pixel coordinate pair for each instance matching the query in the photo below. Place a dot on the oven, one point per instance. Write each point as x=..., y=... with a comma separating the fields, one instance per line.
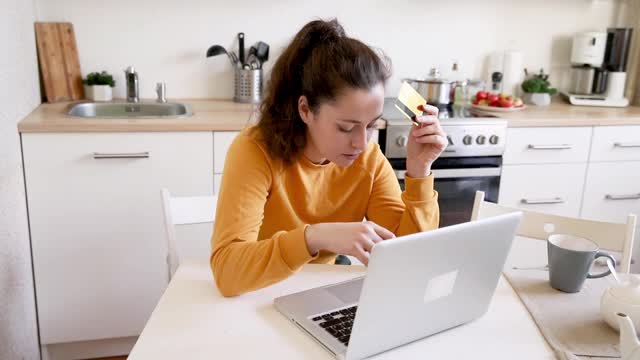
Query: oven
x=457, y=180
x=471, y=162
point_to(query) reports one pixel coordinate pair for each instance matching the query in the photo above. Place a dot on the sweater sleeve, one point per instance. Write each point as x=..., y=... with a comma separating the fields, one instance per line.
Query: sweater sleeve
x=239, y=260
x=414, y=210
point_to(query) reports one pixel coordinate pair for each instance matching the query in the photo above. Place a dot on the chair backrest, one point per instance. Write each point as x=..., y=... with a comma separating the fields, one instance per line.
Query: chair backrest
x=185, y=210
x=608, y=236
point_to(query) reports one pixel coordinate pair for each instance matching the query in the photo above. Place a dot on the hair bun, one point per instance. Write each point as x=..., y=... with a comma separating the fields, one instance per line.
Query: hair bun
x=325, y=31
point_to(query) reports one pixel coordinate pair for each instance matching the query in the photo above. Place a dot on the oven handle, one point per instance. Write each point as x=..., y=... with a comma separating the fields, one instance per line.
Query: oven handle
x=457, y=173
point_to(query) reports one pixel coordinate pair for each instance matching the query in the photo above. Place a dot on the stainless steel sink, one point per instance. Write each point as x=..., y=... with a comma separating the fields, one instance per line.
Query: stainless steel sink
x=129, y=110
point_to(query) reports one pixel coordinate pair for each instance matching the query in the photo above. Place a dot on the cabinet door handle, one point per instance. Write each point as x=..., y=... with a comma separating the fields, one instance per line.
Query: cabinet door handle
x=626, y=145
x=556, y=200
x=138, y=155
x=623, y=197
x=550, y=147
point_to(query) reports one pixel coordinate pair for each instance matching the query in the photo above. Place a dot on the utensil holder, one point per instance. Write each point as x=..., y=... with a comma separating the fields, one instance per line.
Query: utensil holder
x=248, y=85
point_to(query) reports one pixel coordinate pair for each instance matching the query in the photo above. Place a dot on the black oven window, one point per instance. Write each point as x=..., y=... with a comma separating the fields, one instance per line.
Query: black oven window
x=456, y=196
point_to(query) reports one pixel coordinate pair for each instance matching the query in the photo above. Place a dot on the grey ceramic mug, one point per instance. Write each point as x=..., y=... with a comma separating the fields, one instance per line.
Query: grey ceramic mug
x=570, y=258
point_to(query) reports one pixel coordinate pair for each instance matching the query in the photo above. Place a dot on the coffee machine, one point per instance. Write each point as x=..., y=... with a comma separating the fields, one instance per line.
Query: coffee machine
x=598, y=72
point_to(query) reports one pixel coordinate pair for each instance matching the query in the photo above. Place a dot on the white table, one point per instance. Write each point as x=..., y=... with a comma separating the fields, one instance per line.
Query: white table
x=193, y=321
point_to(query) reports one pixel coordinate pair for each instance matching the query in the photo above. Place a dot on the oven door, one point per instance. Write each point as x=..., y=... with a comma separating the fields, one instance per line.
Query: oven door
x=457, y=180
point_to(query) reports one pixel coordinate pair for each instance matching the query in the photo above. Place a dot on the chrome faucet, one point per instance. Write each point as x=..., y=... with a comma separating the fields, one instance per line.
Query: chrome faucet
x=131, y=77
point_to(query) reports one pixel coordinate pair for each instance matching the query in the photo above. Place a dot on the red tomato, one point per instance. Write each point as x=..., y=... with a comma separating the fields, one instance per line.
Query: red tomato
x=481, y=95
x=493, y=98
x=506, y=102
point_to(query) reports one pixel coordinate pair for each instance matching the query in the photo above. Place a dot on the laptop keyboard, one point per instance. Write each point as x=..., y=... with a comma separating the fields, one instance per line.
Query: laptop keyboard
x=338, y=323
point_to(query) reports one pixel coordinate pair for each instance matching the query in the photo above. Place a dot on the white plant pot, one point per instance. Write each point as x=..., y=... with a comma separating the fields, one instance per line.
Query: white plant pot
x=538, y=99
x=98, y=92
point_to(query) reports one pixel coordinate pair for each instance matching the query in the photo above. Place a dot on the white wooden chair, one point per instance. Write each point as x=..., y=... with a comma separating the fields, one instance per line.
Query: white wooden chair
x=186, y=210
x=608, y=236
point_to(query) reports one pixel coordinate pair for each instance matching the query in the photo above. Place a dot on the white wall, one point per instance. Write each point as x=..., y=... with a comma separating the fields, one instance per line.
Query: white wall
x=19, y=94
x=166, y=39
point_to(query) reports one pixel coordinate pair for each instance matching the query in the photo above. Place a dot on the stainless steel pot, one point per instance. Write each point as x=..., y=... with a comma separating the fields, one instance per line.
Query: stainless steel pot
x=436, y=90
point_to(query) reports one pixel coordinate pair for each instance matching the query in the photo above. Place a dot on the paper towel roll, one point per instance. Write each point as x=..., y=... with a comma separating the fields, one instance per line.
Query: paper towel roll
x=513, y=73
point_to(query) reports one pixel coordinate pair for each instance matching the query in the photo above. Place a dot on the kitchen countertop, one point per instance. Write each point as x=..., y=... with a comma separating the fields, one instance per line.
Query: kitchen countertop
x=226, y=115
x=208, y=115
x=561, y=113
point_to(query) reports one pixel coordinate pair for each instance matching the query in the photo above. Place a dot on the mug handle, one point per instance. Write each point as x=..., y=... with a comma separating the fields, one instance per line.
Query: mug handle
x=602, y=254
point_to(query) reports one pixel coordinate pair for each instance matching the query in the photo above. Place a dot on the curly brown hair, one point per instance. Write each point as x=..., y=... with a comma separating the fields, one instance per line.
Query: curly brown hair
x=319, y=62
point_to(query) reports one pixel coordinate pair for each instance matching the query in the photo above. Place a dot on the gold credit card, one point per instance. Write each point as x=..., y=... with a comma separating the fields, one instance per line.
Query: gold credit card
x=408, y=102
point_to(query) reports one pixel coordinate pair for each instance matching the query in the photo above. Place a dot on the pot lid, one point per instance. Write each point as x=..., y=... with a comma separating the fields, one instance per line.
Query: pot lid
x=628, y=291
x=432, y=78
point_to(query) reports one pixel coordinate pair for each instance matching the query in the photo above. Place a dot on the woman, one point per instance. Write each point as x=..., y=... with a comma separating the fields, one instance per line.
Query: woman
x=297, y=186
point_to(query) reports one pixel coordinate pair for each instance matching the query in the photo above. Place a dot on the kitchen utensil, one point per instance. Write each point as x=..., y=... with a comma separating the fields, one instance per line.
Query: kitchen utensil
x=241, y=48
x=622, y=298
x=216, y=50
x=262, y=51
x=541, y=268
x=59, y=61
x=436, y=90
x=253, y=62
x=252, y=51
x=248, y=85
x=614, y=273
x=496, y=82
x=234, y=58
x=570, y=258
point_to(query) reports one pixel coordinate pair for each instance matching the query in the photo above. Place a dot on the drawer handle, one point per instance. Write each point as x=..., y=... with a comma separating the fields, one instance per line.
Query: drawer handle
x=556, y=200
x=550, y=147
x=626, y=145
x=623, y=197
x=139, y=155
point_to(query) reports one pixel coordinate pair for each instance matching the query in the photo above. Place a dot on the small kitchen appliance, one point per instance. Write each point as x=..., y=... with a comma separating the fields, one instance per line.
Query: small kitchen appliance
x=598, y=73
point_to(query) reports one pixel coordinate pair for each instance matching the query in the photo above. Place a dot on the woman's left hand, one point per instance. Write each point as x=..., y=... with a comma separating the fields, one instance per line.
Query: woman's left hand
x=425, y=143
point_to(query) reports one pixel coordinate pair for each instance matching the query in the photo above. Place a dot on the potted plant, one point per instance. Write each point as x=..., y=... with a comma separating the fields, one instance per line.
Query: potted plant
x=537, y=89
x=97, y=86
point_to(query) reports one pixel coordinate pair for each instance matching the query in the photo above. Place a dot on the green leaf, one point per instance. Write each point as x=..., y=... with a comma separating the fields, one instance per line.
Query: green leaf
x=102, y=78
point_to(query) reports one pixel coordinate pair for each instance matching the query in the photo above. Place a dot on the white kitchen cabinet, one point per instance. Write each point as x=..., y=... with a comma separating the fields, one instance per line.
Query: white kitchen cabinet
x=97, y=231
x=615, y=143
x=612, y=192
x=550, y=188
x=544, y=169
x=221, y=142
x=547, y=145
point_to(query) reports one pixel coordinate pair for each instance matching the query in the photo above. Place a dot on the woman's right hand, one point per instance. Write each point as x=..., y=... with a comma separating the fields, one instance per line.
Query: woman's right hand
x=354, y=238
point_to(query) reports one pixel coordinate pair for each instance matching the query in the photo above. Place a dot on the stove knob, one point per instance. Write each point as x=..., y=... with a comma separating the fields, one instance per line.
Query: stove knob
x=493, y=139
x=481, y=139
x=467, y=139
x=449, y=140
x=402, y=141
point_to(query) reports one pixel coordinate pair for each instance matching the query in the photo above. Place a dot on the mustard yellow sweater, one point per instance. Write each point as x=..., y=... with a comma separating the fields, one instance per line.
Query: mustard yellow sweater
x=264, y=206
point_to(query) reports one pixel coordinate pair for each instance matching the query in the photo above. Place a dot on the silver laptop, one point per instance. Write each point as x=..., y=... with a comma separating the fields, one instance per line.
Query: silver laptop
x=415, y=286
